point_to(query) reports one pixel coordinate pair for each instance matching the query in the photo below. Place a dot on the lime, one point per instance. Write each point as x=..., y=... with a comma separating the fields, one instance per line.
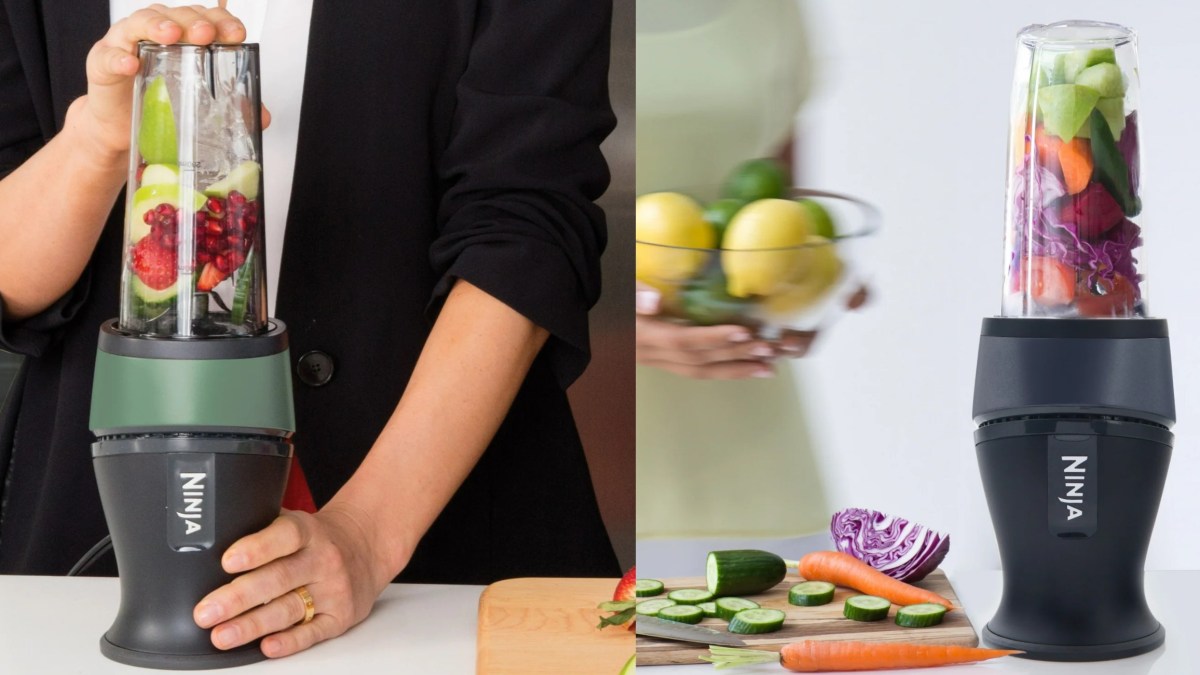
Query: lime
x=757, y=179
x=821, y=220
x=670, y=219
x=705, y=302
x=156, y=136
x=780, y=225
x=719, y=213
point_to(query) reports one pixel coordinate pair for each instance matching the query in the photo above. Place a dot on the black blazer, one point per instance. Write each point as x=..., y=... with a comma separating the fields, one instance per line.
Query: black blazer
x=439, y=139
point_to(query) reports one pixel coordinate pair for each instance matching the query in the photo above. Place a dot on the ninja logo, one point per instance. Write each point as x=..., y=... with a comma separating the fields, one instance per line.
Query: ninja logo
x=1074, y=476
x=193, y=500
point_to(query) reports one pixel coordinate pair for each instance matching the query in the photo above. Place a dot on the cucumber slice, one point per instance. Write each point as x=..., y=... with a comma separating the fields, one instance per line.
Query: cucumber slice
x=920, y=616
x=755, y=621
x=682, y=613
x=744, y=572
x=652, y=607
x=866, y=608
x=644, y=588
x=690, y=596
x=241, y=292
x=149, y=295
x=811, y=593
x=727, y=607
x=709, y=609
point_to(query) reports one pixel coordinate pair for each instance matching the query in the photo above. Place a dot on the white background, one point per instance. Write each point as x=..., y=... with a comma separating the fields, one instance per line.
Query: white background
x=911, y=113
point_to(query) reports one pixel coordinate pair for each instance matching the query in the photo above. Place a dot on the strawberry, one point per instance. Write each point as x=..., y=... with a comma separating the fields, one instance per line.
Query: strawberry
x=210, y=276
x=154, y=263
x=623, y=602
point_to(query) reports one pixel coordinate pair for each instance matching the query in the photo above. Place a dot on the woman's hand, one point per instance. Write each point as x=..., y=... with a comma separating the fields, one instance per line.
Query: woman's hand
x=713, y=352
x=103, y=114
x=333, y=553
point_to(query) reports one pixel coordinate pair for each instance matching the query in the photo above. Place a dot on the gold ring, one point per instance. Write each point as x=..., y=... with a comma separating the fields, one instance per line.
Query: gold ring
x=309, y=609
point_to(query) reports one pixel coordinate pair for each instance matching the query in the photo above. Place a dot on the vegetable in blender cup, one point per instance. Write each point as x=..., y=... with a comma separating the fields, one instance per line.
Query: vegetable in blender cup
x=1073, y=246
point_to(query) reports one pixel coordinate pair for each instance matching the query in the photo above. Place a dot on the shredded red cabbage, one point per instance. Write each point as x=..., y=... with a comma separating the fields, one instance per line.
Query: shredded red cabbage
x=897, y=547
x=1103, y=251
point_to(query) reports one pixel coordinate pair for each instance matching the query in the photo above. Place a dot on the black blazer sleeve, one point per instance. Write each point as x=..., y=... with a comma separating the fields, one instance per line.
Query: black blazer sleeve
x=20, y=137
x=523, y=166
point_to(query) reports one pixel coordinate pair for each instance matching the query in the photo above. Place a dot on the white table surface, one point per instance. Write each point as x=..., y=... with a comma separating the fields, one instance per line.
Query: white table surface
x=1173, y=596
x=52, y=626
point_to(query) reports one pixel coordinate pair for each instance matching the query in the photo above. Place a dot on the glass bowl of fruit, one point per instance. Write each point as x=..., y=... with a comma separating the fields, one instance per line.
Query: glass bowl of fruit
x=786, y=260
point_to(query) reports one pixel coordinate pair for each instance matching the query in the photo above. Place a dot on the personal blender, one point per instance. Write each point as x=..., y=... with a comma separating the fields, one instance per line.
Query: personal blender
x=192, y=401
x=1073, y=391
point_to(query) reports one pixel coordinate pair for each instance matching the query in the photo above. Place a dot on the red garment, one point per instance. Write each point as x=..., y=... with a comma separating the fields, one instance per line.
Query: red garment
x=297, y=496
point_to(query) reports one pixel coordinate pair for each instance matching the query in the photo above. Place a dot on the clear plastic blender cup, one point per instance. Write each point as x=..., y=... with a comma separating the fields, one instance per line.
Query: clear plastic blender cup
x=1074, y=240
x=193, y=263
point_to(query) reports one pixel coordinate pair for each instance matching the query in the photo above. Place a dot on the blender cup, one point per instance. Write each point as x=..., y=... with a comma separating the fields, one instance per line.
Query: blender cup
x=1073, y=389
x=192, y=399
x=194, y=220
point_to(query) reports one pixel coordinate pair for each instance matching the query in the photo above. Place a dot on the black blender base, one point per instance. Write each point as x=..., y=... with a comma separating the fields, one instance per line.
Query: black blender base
x=1048, y=652
x=132, y=657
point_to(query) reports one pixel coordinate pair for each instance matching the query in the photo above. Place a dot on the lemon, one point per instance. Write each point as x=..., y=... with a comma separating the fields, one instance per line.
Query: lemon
x=766, y=224
x=670, y=219
x=156, y=134
x=757, y=179
x=821, y=272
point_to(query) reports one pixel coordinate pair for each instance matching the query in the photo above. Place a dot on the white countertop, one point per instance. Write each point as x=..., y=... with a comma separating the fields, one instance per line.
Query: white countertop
x=1173, y=596
x=52, y=626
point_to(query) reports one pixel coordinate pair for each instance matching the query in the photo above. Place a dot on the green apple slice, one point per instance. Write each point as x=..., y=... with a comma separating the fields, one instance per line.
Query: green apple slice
x=1113, y=110
x=244, y=179
x=150, y=196
x=1065, y=107
x=157, y=140
x=1104, y=78
x=160, y=174
x=1077, y=61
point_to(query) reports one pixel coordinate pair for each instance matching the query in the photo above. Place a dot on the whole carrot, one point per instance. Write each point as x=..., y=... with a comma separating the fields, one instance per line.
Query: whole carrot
x=823, y=656
x=843, y=569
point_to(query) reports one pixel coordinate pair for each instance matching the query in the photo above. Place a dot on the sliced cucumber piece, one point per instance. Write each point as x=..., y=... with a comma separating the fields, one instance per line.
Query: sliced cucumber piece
x=152, y=296
x=755, y=621
x=644, y=588
x=652, y=607
x=811, y=593
x=709, y=609
x=690, y=596
x=744, y=572
x=682, y=613
x=920, y=616
x=727, y=607
x=866, y=608
x=241, y=291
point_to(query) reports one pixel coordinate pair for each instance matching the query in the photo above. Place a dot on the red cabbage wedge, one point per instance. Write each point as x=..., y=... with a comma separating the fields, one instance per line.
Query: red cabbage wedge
x=897, y=547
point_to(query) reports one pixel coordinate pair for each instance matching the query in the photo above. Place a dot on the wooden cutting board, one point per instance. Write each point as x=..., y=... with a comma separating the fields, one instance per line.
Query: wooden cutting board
x=816, y=623
x=548, y=627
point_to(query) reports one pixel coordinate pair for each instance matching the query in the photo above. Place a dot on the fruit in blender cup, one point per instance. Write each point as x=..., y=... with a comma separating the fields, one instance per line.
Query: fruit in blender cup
x=154, y=263
x=1052, y=284
x=1065, y=108
x=1075, y=62
x=157, y=140
x=1075, y=159
x=159, y=174
x=243, y=178
x=1092, y=211
x=150, y=197
x=1105, y=78
x=224, y=237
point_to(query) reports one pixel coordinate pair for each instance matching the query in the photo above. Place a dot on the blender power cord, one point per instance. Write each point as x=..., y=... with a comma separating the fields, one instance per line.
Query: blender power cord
x=94, y=553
